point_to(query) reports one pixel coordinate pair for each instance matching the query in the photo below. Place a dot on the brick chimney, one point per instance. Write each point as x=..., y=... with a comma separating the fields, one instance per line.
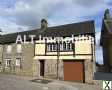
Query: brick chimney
x=44, y=24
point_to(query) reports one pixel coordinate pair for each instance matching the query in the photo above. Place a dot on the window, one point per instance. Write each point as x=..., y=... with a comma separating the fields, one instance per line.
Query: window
x=51, y=47
x=59, y=46
x=18, y=62
x=19, y=48
x=64, y=46
x=7, y=62
x=9, y=49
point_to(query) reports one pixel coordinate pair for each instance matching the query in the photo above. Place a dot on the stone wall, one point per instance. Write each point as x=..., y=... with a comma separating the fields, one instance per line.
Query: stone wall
x=26, y=56
x=51, y=68
x=88, y=66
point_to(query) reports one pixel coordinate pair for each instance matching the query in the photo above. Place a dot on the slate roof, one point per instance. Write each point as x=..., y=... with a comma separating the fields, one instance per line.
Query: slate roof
x=86, y=27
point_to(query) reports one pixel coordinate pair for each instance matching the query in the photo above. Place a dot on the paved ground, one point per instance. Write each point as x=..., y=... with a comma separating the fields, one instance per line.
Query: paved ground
x=12, y=82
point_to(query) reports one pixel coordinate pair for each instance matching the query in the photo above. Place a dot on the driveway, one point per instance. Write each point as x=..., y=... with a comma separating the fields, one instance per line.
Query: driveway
x=13, y=82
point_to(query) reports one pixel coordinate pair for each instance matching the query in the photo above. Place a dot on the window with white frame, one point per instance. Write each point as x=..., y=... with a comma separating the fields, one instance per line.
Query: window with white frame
x=7, y=62
x=18, y=62
x=60, y=46
x=19, y=48
x=9, y=49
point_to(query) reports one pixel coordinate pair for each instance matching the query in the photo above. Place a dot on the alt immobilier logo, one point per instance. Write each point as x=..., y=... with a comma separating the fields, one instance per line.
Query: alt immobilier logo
x=107, y=85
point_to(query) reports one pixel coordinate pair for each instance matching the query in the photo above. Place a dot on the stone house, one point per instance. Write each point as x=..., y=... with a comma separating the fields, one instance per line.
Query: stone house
x=52, y=58
x=73, y=61
x=17, y=58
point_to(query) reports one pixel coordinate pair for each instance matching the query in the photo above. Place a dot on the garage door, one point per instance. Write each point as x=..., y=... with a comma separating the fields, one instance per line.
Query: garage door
x=74, y=71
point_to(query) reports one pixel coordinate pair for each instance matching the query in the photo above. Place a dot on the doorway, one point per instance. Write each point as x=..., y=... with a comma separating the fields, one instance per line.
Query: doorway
x=42, y=66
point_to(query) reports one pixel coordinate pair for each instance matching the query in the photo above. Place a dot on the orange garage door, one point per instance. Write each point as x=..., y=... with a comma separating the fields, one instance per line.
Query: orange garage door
x=74, y=71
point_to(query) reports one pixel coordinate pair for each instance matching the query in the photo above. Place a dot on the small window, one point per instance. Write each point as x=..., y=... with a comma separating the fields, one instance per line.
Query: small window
x=18, y=62
x=51, y=47
x=7, y=62
x=19, y=48
x=48, y=47
x=64, y=46
x=54, y=47
x=69, y=46
x=61, y=46
x=9, y=49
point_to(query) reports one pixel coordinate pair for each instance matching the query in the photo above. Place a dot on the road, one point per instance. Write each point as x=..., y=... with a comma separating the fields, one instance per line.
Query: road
x=12, y=82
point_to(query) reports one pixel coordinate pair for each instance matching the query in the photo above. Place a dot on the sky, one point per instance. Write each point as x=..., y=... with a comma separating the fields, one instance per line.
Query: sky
x=21, y=15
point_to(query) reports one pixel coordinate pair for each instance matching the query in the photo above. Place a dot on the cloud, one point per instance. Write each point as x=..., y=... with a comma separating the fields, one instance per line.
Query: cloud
x=12, y=27
x=98, y=49
x=7, y=3
x=109, y=2
x=88, y=3
x=98, y=34
x=28, y=13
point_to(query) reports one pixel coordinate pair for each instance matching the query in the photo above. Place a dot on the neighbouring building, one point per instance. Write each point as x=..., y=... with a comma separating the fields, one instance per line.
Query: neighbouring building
x=106, y=41
x=16, y=58
x=71, y=60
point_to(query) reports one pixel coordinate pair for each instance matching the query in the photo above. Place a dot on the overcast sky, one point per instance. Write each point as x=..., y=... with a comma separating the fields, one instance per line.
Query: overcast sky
x=20, y=15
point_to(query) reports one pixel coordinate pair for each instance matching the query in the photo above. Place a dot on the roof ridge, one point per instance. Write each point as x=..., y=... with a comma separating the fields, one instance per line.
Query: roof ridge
x=52, y=27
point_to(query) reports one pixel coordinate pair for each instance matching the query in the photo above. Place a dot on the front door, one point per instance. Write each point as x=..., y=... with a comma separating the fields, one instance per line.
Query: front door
x=42, y=62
